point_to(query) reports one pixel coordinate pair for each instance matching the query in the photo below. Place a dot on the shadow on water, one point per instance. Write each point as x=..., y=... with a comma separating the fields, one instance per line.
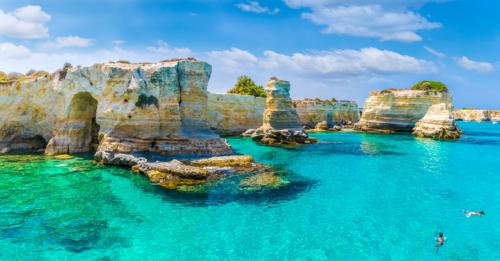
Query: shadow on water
x=474, y=141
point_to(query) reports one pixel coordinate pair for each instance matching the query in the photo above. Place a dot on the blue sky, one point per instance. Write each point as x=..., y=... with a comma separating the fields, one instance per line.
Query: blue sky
x=325, y=48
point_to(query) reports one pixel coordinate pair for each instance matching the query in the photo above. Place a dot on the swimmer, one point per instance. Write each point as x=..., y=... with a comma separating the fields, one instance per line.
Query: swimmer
x=440, y=241
x=469, y=213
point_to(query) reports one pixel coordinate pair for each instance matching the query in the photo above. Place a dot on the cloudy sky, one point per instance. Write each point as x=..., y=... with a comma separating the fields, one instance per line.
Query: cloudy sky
x=325, y=48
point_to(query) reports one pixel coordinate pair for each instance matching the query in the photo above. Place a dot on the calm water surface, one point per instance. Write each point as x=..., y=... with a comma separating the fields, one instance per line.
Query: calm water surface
x=353, y=197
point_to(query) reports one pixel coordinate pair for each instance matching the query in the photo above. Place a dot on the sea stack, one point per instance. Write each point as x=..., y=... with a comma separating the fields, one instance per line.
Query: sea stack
x=425, y=113
x=280, y=124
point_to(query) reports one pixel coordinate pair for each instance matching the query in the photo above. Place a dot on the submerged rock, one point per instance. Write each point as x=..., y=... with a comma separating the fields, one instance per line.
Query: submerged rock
x=262, y=181
x=187, y=175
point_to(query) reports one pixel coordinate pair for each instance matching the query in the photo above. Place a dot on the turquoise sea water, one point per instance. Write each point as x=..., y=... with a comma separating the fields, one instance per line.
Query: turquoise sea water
x=353, y=197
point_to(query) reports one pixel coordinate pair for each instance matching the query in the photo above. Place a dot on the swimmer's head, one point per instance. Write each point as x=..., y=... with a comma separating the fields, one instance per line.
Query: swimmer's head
x=481, y=213
x=441, y=234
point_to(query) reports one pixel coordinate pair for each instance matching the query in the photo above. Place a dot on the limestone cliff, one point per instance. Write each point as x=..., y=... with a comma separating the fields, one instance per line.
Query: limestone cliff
x=477, y=115
x=232, y=114
x=160, y=107
x=312, y=112
x=425, y=113
x=279, y=112
x=280, y=123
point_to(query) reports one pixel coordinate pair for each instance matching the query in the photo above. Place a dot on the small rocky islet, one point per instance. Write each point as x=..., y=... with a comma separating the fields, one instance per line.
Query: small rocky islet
x=120, y=109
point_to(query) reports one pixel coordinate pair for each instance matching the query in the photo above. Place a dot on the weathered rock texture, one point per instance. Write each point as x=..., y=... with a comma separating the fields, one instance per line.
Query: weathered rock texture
x=422, y=112
x=280, y=123
x=279, y=112
x=194, y=174
x=116, y=107
x=477, y=115
x=231, y=114
x=312, y=112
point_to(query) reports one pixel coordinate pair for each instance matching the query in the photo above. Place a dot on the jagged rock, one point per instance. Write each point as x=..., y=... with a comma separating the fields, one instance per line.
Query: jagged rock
x=425, y=113
x=281, y=124
x=321, y=126
x=311, y=112
x=117, y=107
x=225, y=161
x=437, y=123
x=336, y=128
x=476, y=115
x=279, y=112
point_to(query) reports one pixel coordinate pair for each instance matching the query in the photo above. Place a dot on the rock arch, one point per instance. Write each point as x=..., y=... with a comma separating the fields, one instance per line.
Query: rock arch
x=78, y=130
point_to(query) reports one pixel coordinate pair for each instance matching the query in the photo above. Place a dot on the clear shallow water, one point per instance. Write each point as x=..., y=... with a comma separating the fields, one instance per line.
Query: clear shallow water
x=354, y=197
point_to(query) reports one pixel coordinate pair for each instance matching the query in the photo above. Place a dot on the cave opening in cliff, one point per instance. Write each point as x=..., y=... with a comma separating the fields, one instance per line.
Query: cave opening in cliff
x=82, y=116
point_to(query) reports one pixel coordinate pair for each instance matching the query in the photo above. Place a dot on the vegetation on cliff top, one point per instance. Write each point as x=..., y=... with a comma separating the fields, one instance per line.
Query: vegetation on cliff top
x=434, y=86
x=246, y=86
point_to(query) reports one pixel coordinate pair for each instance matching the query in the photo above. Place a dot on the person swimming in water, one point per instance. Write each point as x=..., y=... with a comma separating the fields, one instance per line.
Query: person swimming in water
x=440, y=241
x=469, y=213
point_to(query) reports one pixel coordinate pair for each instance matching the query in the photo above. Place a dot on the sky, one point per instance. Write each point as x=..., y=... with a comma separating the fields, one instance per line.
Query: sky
x=325, y=48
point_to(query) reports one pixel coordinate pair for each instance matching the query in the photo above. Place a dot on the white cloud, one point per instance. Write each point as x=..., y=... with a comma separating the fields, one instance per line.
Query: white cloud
x=328, y=64
x=233, y=57
x=468, y=64
x=165, y=49
x=255, y=7
x=28, y=22
x=12, y=51
x=68, y=41
x=434, y=52
x=118, y=42
x=386, y=20
x=371, y=21
x=349, y=73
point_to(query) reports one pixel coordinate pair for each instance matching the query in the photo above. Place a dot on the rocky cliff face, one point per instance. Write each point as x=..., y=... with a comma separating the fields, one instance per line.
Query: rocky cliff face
x=477, y=115
x=422, y=112
x=118, y=107
x=231, y=114
x=312, y=112
x=280, y=123
x=279, y=112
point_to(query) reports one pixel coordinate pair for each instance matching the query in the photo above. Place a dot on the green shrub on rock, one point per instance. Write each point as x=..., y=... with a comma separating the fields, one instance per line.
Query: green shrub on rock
x=246, y=86
x=434, y=86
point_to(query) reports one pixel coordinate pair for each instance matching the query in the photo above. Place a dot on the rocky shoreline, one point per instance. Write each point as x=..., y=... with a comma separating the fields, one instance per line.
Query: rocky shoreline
x=119, y=110
x=191, y=175
x=476, y=115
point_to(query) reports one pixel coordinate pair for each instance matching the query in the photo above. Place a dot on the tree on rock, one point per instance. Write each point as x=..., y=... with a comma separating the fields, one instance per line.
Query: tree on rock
x=434, y=86
x=246, y=86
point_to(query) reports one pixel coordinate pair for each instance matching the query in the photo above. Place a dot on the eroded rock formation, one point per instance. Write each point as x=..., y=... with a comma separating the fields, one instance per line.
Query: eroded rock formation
x=477, y=115
x=312, y=112
x=232, y=114
x=118, y=107
x=424, y=113
x=280, y=123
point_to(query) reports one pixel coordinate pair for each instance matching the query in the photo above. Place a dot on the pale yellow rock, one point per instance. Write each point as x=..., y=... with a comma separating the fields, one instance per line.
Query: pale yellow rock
x=159, y=107
x=424, y=113
x=279, y=112
x=232, y=114
x=477, y=115
x=312, y=112
x=63, y=156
